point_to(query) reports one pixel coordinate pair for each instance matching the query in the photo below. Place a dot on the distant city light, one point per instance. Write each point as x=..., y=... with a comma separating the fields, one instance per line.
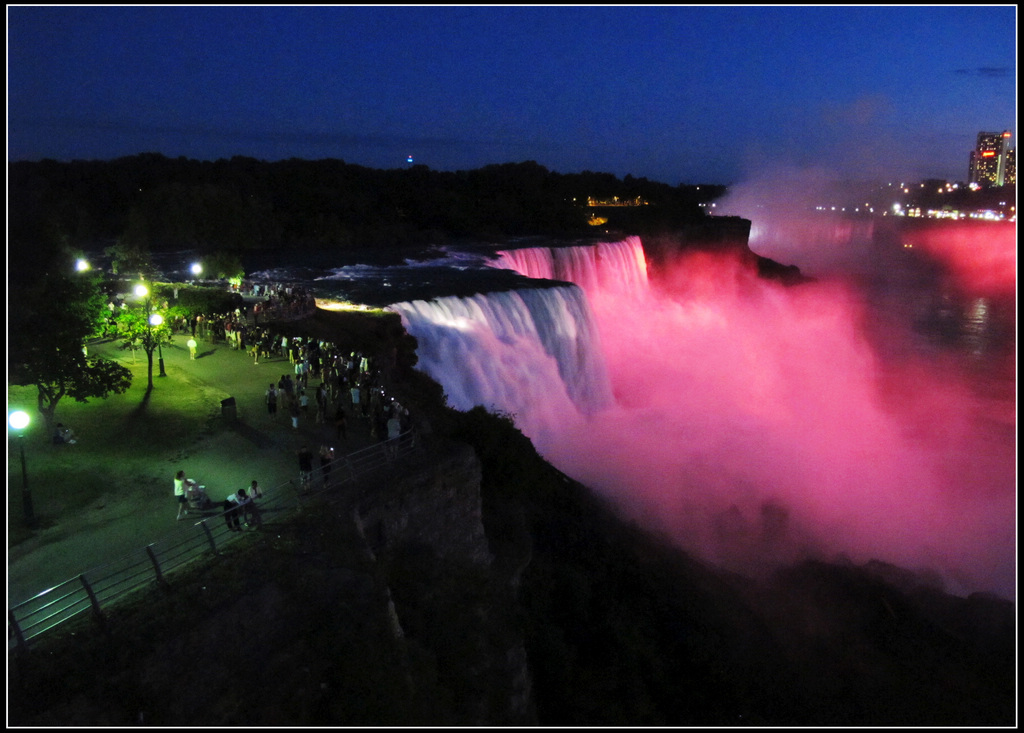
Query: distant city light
x=409, y=159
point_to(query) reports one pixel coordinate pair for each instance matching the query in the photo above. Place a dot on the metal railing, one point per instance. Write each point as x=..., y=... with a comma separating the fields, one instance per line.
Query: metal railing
x=98, y=588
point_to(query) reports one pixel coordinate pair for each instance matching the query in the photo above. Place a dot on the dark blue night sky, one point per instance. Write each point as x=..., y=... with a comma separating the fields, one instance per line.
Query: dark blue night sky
x=674, y=94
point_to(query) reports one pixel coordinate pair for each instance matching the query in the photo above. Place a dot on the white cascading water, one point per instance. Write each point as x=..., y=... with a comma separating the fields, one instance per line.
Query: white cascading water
x=607, y=267
x=532, y=353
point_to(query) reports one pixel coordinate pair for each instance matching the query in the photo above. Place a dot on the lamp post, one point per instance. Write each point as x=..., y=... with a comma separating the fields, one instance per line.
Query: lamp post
x=143, y=292
x=155, y=320
x=19, y=420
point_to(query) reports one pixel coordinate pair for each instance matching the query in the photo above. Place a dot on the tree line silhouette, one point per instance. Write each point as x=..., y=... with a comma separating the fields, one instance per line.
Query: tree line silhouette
x=156, y=203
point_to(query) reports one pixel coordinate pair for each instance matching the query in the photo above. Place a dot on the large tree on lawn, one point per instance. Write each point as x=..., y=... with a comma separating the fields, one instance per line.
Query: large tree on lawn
x=50, y=321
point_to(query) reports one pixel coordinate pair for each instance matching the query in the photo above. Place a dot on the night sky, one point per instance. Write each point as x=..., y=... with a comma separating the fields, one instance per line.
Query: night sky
x=673, y=94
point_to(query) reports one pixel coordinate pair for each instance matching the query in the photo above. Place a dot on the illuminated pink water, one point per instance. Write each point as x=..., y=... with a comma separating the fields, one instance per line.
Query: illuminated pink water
x=756, y=424
x=981, y=256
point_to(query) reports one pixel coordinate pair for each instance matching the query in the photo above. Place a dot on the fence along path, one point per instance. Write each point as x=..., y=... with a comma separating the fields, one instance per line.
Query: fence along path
x=94, y=590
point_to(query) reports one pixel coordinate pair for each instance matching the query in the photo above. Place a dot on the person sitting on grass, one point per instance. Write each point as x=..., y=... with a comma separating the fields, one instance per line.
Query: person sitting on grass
x=63, y=435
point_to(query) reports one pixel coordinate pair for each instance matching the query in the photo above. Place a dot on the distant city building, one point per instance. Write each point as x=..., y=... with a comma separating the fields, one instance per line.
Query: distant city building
x=615, y=201
x=989, y=160
x=1010, y=176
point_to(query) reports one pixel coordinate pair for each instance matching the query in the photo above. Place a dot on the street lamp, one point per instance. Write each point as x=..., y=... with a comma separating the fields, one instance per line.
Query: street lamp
x=143, y=292
x=196, y=270
x=155, y=320
x=19, y=420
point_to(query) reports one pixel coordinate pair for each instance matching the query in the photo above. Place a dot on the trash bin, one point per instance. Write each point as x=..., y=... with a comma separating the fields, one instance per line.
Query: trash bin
x=228, y=410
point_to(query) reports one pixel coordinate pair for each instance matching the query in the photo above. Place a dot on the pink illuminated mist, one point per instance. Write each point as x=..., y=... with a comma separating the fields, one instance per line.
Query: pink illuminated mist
x=752, y=423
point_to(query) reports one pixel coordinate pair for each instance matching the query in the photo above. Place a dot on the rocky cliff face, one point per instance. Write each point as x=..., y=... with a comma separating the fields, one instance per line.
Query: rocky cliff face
x=425, y=526
x=479, y=586
x=434, y=502
x=714, y=234
x=719, y=233
x=374, y=608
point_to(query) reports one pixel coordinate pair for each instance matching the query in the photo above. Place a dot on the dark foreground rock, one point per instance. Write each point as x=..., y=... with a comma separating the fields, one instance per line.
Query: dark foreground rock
x=477, y=585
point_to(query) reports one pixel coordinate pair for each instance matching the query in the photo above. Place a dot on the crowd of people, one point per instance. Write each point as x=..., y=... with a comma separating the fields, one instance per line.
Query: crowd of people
x=324, y=383
x=337, y=381
x=240, y=328
x=280, y=302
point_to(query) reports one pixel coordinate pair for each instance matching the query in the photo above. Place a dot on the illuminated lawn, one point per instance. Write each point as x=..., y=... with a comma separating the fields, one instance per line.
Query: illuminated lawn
x=124, y=443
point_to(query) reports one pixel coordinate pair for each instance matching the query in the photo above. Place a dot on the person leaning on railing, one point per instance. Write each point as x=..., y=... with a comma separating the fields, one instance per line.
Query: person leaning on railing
x=247, y=509
x=232, y=504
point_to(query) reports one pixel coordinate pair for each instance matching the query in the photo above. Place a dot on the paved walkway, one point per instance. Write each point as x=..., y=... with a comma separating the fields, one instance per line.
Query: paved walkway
x=252, y=446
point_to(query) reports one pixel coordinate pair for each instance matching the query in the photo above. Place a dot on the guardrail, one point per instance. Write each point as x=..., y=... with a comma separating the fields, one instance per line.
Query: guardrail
x=94, y=590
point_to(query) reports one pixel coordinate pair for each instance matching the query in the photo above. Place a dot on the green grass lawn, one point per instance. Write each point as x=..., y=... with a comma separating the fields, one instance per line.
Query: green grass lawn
x=126, y=441
x=123, y=441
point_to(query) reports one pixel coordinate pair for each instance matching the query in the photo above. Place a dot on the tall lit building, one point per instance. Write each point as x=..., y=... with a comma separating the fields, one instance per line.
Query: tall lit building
x=989, y=159
x=1010, y=176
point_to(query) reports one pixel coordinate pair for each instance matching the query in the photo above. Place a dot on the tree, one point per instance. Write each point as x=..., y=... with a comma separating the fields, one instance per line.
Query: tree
x=50, y=321
x=225, y=266
x=130, y=255
x=137, y=330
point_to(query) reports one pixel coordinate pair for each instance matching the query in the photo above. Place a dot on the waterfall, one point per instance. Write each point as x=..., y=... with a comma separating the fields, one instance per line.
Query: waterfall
x=534, y=352
x=529, y=351
x=607, y=267
x=517, y=352
x=713, y=404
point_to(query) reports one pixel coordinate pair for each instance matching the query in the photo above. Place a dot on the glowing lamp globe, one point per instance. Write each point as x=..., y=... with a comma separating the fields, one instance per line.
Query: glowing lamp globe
x=141, y=290
x=156, y=319
x=18, y=420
